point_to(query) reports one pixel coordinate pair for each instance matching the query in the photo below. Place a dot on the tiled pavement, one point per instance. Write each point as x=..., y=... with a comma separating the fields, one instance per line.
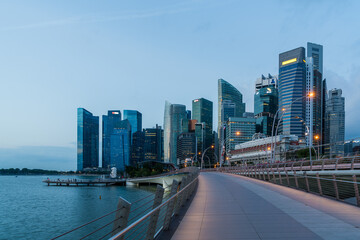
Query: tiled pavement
x=234, y=207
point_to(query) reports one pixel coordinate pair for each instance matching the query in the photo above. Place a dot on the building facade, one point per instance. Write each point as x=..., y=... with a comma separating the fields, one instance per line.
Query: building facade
x=265, y=103
x=335, y=118
x=110, y=122
x=186, y=146
x=202, y=112
x=153, y=144
x=135, y=119
x=239, y=130
x=173, y=120
x=292, y=91
x=87, y=140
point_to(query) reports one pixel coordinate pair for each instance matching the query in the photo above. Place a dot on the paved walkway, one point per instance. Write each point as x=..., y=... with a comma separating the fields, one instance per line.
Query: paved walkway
x=235, y=207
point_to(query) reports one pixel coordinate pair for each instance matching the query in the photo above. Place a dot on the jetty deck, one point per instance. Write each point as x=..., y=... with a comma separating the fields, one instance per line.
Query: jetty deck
x=84, y=182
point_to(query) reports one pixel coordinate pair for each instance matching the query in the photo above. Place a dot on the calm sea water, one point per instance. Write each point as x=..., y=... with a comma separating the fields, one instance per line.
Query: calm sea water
x=29, y=209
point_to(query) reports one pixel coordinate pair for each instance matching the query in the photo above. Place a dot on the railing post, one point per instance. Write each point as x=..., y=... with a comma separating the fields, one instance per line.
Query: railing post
x=352, y=163
x=292, y=166
x=319, y=184
x=296, y=180
x=302, y=162
x=264, y=175
x=170, y=207
x=121, y=216
x=179, y=197
x=280, y=179
x=336, y=164
x=287, y=178
x=307, y=182
x=335, y=187
x=154, y=217
x=356, y=189
x=268, y=174
x=274, y=178
x=323, y=164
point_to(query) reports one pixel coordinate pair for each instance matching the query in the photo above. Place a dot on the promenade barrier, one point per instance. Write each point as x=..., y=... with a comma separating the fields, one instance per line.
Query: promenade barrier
x=142, y=219
x=335, y=178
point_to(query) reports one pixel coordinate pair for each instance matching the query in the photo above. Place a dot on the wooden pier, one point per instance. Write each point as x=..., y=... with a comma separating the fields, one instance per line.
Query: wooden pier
x=80, y=182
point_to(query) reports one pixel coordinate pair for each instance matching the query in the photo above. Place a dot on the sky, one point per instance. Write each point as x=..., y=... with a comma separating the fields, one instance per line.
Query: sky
x=56, y=56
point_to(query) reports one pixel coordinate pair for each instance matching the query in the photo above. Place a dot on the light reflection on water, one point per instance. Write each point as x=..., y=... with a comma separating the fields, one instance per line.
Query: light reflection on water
x=29, y=209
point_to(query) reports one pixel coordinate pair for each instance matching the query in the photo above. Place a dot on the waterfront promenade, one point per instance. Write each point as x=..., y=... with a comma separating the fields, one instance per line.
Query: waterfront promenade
x=228, y=206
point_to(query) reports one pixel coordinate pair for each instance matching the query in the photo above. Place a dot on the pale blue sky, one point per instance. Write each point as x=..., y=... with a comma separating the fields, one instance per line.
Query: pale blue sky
x=56, y=56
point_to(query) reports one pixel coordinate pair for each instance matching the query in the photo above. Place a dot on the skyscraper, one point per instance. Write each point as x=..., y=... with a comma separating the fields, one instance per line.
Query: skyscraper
x=316, y=52
x=120, y=145
x=239, y=130
x=109, y=123
x=186, y=146
x=137, y=147
x=87, y=140
x=265, y=103
x=335, y=118
x=154, y=143
x=173, y=116
x=202, y=111
x=135, y=119
x=228, y=92
x=292, y=90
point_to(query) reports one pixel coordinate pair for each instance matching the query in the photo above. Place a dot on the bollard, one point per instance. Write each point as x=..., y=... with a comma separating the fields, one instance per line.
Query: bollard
x=319, y=184
x=335, y=187
x=356, y=188
x=154, y=217
x=170, y=207
x=121, y=216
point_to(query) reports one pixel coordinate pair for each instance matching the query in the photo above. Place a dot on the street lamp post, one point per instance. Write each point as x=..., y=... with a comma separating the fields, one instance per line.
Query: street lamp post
x=202, y=156
x=273, y=144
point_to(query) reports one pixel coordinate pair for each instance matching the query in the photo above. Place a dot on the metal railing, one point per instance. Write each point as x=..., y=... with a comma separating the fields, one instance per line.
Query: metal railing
x=310, y=178
x=142, y=219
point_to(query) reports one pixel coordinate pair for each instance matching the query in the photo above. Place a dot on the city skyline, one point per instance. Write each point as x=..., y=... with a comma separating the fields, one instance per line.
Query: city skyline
x=49, y=97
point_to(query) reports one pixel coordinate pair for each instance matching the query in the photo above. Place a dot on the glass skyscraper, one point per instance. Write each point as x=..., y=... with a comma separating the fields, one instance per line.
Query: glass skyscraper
x=110, y=122
x=87, y=140
x=202, y=111
x=335, y=119
x=265, y=103
x=292, y=91
x=154, y=142
x=135, y=119
x=239, y=130
x=173, y=119
x=120, y=146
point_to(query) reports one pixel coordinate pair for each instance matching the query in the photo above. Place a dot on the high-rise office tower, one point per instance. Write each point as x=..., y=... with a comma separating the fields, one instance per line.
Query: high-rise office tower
x=87, y=140
x=292, y=91
x=120, y=146
x=173, y=116
x=137, y=147
x=316, y=52
x=202, y=111
x=110, y=122
x=335, y=118
x=186, y=146
x=239, y=130
x=265, y=103
x=228, y=92
x=135, y=119
x=154, y=142
x=188, y=114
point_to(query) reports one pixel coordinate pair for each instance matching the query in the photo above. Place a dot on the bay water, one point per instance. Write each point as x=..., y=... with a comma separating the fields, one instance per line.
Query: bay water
x=29, y=209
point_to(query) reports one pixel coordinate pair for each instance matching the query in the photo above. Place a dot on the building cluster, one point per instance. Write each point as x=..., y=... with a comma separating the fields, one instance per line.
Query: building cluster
x=295, y=106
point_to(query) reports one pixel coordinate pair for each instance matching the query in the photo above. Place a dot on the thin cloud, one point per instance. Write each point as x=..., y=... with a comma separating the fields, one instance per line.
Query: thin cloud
x=99, y=18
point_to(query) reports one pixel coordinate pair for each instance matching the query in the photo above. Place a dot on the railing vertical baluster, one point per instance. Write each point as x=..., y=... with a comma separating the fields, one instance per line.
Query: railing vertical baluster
x=307, y=182
x=287, y=178
x=319, y=184
x=356, y=189
x=274, y=178
x=280, y=179
x=352, y=163
x=296, y=180
x=264, y=175
x=301, y=165
x=178, y=199
x=323, y=164
x=170, y=207
x=154, y=217
x=121, y=216
x=336, y=164
x=268, y=175
x=336, y=187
